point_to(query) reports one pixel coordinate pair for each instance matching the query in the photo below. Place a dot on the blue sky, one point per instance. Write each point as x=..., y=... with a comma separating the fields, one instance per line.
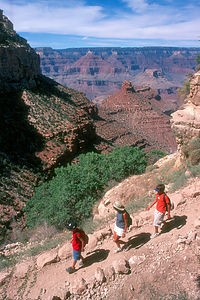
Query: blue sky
x=105, y=23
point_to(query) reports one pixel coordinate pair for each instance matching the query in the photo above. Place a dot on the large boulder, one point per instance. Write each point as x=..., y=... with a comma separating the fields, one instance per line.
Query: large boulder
x=47, y=258
x=121, y=266
x=109, y=273
x=65, y=251
x=99, y=275
x=78, y=286
x=22, y=269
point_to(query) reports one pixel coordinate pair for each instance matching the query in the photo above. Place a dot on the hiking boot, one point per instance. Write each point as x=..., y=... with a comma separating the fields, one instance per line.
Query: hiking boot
x=154, y=235
x=117, y=250
x=70, y=270
x=81, y=263
x=127, y=248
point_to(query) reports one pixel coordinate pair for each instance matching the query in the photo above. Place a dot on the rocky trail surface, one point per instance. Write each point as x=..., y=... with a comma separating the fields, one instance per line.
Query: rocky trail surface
x=149, y=269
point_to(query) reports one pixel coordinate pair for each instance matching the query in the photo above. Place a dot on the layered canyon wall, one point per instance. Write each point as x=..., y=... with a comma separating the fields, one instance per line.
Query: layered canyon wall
x=99, y=72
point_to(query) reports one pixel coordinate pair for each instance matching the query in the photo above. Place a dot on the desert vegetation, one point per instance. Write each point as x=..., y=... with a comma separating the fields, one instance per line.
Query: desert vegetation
x=75, y=188
x=186, y=86
x=185, y=90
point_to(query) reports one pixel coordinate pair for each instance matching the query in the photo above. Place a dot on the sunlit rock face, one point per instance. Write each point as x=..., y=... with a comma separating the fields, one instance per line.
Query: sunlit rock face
x=186, y=121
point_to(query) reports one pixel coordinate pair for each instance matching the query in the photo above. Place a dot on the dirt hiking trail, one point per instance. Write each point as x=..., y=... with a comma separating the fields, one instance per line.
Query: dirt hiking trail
x=149, y=269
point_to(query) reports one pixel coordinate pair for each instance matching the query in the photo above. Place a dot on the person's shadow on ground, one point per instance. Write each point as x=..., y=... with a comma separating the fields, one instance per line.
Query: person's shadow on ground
x=95, y=257
x=137, y=240
x=198, y=281
x=176, y=222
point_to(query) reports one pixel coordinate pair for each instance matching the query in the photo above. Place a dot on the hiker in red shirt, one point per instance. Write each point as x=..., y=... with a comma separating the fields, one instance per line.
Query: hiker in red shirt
x=162, y=205
x=77, y=245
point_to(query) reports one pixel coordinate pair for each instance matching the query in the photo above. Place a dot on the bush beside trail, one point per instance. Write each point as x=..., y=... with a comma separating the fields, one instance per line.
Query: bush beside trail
x=75, y=188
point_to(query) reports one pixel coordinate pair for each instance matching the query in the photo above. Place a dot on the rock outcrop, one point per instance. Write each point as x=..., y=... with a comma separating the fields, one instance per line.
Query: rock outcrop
x=19, y=65
x=186, y=121
x=128, y=118
x=99, y=72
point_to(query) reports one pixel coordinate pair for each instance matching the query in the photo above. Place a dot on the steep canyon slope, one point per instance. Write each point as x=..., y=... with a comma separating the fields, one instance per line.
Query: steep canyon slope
x=42, y=124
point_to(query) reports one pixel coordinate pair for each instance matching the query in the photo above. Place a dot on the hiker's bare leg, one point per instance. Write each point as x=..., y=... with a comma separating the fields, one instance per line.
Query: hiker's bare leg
x=74, y=263
x=117, y=240
x=121, y=242
x=156, y=229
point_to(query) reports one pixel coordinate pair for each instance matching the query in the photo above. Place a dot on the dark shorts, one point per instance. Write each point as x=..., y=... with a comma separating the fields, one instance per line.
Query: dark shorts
x=76, y=254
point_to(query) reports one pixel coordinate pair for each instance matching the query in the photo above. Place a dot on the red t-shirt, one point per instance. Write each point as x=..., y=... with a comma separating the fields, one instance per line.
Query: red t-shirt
x=161, y=204
x=76, y=244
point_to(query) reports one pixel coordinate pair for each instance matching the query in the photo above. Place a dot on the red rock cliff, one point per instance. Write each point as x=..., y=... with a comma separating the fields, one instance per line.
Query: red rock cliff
x=128, y=118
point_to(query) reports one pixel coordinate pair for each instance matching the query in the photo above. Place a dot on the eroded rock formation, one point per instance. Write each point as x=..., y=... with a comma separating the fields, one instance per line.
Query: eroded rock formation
x=128, y=118
x=186, y=121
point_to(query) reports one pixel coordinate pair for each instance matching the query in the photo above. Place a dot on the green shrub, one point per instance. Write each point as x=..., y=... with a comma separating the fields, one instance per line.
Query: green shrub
x=179, y=180
x=186, y=86
x=192, y=151
x=75, y=188
x=195, y=157
x=150, y=168
x=154, y=155
x=194, y=170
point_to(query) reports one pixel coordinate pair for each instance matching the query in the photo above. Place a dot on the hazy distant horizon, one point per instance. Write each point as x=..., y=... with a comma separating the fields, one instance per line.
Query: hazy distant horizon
x=105, y=23
x=109, y=47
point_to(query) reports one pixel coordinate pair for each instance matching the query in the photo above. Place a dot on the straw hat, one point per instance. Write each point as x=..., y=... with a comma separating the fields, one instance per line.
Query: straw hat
x=117, y=205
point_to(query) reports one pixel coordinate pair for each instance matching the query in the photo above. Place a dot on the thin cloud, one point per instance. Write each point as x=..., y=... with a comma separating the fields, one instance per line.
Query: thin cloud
x=143, y=21
x=137, y=5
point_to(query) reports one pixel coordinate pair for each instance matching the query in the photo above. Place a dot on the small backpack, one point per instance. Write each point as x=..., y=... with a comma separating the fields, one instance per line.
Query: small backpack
x=129, y=219
x=84, y=236
x=171, y=204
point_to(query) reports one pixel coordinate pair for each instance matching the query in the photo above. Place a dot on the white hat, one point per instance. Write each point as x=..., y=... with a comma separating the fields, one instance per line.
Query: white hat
x=118, y=206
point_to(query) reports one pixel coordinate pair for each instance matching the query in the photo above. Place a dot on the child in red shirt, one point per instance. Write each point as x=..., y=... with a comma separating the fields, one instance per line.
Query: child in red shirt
x=77, y=245
x=162, y=200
